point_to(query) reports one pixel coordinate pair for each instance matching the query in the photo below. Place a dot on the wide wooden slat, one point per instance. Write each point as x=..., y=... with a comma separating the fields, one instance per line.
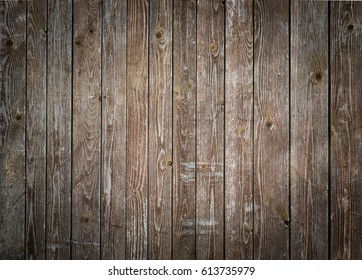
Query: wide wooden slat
x=210, y=130
x=160, y=130
x=59, y=127
x=36, y=129
x=114, y=113
x=309, y=130
x=271, y=129
x=137, y=129
x=346, y=130
x=184, y=132
x=86, y=129
x=12, y=128
x=239, y=130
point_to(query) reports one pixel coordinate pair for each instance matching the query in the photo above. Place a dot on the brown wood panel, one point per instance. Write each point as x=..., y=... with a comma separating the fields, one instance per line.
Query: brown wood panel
x=271, y=129
x=210, y=130
x=86, y=129
x=114, y=114
x=239, y=130
x=346, y=130
x=309, y=130
x=12, y=128
x=184, y=132
x=59, y=127
x=137, y=129
x=36, y=129
x=160, y=130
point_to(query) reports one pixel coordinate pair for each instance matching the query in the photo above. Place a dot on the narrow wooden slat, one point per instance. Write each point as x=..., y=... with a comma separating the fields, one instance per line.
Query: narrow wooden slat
x=210, y=130
x=160, y=130
x=86, y=129
x=12, y=128
x=114, y=115
x=137, y=129
x=184, y=132
x=309, y=130
x=59, y=126
x=239, y=130
x=271, y=129
x=36, y=129
x=346, y=129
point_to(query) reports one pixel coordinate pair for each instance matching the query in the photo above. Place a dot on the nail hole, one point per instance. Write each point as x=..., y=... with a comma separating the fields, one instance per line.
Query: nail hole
x=91, y=30
x=86, y=220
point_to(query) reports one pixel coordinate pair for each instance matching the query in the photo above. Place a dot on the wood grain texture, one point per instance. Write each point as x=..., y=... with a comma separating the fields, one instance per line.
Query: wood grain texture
x=309, y=130
x=184, y=132
x=137, y=129
x=59, y=127
x=114, y=114
x=160, y=130
x=346, y=130
x=239, y=130
x=271, y=129
x=12, y=128
x=210, y=130
x=36, y=130
x=86, y=129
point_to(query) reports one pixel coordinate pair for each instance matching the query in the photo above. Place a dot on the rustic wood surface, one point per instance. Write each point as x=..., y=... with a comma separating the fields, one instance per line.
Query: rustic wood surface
x=180, y=129
x=309, y=130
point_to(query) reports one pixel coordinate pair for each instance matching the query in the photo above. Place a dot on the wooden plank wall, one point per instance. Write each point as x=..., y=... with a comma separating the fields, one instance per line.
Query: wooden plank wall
x=180, y=129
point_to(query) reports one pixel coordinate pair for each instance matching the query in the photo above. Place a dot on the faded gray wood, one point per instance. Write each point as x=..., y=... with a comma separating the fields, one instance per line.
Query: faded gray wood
x=59, y=127
x=86, y=144
x=36, y=130
x=12, y=128
x=239, y=130
x=184, y=129
x=309, y=130
x=210, y=130
x=114, y=114
x=137, y=129
x=346, y=130
x=160, y=130
x=271, y=129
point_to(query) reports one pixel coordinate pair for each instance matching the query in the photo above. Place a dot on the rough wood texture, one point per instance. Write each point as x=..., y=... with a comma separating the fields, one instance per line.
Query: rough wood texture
x=114, y=114
x=346, y=130
x=239, y=130
x=210, y=130
x=271, y=129
x=184, y=133
x=137, y=129
x=59, y=127
x=36, y=130
x=160, y=130
x=309, y=130
x=86, y=129
x=12, y=128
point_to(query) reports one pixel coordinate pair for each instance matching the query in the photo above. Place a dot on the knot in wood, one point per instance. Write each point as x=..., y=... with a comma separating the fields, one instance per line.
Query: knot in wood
x=317, y=77
x=269, y=124
x=214, y=49
x=91, y=30
x=79, y=41
x=350, y=27
x=18, y=117
x=159, y=33
x=9, y=42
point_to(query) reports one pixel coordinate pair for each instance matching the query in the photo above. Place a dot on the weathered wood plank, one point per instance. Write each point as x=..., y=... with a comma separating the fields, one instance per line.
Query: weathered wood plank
x=271, y=129
x=114, y=115
x=137, y=129
x=36, y=129
x=160, y=130
x=210, y=130
x=346, y=130
x=184, y=129
x=59, y=127
x=12, y=128
x=309, y=130
x=86, y=129
x=239, y=130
